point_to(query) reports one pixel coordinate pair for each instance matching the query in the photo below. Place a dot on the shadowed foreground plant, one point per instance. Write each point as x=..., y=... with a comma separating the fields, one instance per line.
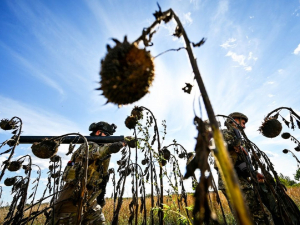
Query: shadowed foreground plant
x=126, y=73
x=114, y=86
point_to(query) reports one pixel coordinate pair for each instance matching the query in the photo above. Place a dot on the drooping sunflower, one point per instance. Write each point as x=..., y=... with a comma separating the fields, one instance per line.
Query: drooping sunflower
x=270, y=128
x=131, y=122
x=45, y=149
x=126, y=73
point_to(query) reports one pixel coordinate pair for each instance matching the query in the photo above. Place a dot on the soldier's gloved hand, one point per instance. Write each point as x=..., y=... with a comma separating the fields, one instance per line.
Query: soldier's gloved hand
x=131, y=142
x=260, y=178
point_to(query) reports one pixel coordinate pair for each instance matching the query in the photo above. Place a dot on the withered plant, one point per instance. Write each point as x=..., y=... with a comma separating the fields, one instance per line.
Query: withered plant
x=271, y=127
x=287, y=208
x=126, y=73
x=20, y=191
x=147, y=143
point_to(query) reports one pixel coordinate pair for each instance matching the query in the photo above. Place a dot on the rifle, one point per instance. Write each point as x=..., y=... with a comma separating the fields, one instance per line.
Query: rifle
x=72, y=139
x=244, y=167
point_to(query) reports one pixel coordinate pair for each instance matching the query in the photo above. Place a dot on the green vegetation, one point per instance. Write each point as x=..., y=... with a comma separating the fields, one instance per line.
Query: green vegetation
x=287, y=181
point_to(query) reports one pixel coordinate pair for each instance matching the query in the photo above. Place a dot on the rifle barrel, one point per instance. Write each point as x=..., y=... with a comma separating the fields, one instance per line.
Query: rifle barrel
x=72, y=139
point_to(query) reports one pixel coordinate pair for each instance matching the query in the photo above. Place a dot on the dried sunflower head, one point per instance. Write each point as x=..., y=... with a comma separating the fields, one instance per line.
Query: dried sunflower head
x=137, y=112
x=286, y=135
x=55, y=158
x=163, y=162
x=45, y=149
x=271, y=127
x=131, y=142
x=55, y=175
x=285, y=151
x=166, y=154
x=126, y=73
x=6, y=124
x=181, y=155
x=126, y=172
x=12, y=141
x=131, y=122
x=10, y=181
x=14, y=166
x=121, y=162
x=145, y=161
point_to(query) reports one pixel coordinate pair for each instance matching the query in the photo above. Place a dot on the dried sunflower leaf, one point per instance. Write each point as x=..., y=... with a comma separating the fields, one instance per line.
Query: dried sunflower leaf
x=276, y=116
x=178, y=32
x=158, y=13
x=298, y=123
x=199, y=43
x=7, y=151
x=30, y=196
x=168, y=18
x=286, y=122
x=292, y=122
x=188, y=88
x=71, y=148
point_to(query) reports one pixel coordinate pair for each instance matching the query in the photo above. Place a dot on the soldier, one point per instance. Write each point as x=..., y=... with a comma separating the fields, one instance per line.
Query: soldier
x=242, y=164
x=98, y=162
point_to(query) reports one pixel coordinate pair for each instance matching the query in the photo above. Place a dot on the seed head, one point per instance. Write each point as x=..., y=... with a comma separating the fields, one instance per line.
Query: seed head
x=45, y=149
x=6, y=124
x=126, y=73
x=270, y=128
x=14, y=166
x=131, y=122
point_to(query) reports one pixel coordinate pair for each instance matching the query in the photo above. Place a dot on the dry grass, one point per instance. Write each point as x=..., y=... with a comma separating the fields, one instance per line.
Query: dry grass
x=294, y=193
x=39, y=220
x=125, y=212
x=171, y=218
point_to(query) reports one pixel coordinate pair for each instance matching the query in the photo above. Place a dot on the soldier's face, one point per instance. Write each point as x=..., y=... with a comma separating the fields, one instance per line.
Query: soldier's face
x=241, y=122
x=99, y=133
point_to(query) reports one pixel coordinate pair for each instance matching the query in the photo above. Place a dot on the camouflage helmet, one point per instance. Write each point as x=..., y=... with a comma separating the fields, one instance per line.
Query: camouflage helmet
x=105, y=127
x=236, y=115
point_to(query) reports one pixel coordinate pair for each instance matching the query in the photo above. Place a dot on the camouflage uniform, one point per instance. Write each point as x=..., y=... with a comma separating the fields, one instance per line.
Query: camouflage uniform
x=66, y=204
x=246, y=186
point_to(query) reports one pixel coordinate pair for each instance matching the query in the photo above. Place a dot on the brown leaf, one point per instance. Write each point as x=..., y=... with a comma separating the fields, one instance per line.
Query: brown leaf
x=178, y=32
x=158, y=13
x=188, y=88
x=199, y=43
x=292, y=122
x=298, y=123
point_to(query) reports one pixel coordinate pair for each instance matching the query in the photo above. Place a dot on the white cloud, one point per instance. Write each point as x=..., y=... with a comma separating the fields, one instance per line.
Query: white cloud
x=280, y=71
x=270, y=95
x=248, y=68
x=271, y=154
x=37, y=121
x=270, y=82
x=250, y=55
x=251, y=17
x=195, y=3
x=296, y=12
x=297, y=50
x=229, y=43
x=240, y=59
x=222, y=9
x=187, y=18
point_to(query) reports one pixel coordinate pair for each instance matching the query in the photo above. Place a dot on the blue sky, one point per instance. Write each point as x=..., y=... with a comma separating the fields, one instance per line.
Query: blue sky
x=50, y=54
